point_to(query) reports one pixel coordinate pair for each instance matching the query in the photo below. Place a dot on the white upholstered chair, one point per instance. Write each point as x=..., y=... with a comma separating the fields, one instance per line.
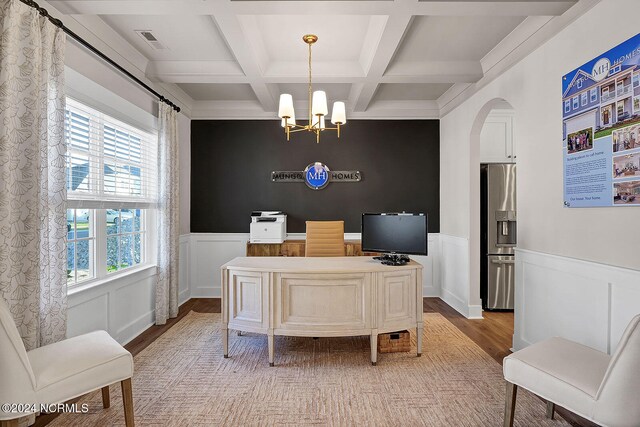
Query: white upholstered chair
x=601, y=388
x=61, y=371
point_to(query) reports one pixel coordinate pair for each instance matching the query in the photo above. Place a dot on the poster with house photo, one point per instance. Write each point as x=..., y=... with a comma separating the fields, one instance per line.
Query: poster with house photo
x=601, y=129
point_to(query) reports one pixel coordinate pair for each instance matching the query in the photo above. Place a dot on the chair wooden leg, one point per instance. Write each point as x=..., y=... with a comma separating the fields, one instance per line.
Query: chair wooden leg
x=106, y=400
x=127, y=399
x=551, y=409
x=9, y=423
x=510, y=404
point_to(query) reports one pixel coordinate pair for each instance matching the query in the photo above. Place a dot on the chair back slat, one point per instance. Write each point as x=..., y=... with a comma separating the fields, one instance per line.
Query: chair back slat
x=325, y=239
x=619, y=392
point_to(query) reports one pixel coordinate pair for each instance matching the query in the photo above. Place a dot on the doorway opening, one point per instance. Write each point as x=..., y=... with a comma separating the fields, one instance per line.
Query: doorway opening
x=494, y=213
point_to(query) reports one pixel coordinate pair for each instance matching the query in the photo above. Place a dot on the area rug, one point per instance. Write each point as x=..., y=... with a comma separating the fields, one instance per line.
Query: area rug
x=181, y=379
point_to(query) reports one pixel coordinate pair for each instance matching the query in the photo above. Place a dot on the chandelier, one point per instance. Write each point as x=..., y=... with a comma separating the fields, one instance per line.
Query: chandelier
x=317, y=107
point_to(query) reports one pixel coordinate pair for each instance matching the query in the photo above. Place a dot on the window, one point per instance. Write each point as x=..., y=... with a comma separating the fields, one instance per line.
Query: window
x=111, y=190
x=579, y=84
x=80, y=244
x=125, y=234
x=593, y=93
x=636, y=79
x=583, y=98
x=567, y=106
x=576, y=104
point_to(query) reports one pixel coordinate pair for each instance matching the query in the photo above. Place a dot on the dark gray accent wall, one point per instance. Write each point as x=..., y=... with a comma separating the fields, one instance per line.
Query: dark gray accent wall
x=232, y=160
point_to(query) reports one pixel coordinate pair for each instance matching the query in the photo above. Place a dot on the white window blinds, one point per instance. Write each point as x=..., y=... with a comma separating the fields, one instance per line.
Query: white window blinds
x=109, y=163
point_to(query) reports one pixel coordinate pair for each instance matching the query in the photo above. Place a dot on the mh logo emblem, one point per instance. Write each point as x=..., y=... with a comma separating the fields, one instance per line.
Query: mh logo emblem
x=601, y=69
x=316, y=176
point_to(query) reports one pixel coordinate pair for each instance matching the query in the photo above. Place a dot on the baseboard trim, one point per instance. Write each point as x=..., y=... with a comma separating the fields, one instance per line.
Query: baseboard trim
x=454, y=302
x=475, y=312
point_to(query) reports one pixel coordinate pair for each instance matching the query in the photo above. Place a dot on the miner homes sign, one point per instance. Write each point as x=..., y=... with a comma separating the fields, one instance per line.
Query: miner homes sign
x=317, y=176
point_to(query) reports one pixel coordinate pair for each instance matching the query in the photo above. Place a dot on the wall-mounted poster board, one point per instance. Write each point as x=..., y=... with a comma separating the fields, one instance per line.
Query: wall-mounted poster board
x=601, y=129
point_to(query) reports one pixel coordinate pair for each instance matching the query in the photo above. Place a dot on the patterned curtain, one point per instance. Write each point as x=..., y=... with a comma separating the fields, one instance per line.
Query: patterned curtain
x=33, y=229
x=167, y=279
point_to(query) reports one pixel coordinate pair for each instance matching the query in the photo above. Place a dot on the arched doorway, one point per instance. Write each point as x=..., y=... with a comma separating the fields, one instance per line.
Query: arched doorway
x=488, y=118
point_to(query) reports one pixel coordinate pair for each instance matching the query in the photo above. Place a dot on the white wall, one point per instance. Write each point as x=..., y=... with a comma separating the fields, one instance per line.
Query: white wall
x=587, y=302
x=533, y=87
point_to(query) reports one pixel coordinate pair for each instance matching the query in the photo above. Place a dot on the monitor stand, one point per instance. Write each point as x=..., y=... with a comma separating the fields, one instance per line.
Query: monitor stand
x=393, y=259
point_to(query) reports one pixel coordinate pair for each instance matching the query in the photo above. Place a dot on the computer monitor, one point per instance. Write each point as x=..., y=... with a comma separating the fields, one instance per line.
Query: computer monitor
x=401, y=233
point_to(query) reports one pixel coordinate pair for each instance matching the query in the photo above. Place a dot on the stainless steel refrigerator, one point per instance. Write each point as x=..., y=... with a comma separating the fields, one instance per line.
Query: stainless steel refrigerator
x=498, y=235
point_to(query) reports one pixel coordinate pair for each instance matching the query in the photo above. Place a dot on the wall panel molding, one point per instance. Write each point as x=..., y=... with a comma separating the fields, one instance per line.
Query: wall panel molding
x=454, y=275
x=583, y=301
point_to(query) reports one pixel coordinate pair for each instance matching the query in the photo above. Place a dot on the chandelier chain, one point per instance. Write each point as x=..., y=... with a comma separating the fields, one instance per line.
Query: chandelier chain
x=310, y=113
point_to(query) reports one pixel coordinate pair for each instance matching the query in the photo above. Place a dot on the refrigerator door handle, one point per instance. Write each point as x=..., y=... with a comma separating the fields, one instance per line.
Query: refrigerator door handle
x=502, y=261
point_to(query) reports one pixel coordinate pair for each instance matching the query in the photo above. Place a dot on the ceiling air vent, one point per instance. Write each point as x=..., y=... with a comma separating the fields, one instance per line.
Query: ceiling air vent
x=151, y=40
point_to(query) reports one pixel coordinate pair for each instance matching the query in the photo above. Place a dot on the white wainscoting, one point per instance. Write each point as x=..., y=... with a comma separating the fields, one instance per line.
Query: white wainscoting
x=209, y=251
x=454, y=275
x=184, y=292
x=583, y=301
x=124, y=307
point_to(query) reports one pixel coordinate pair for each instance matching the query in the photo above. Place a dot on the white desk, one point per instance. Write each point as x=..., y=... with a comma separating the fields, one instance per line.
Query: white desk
x=320, y=297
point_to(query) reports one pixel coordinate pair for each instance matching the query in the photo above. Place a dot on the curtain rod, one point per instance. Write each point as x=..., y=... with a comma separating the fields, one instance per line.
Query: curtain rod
x=89, y=46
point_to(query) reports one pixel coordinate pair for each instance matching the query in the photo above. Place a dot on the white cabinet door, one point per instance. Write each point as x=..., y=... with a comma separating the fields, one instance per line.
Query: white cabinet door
x=496, y=139
x=396, y=300
x=248, y=301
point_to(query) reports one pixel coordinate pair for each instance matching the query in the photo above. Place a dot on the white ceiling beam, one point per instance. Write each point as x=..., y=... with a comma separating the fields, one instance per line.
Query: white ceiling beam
x=323, y=72
x=388, y=42
x=199, y=7
x=515, y=38
x=196, y=71
x=230, y=110
x=321, y=69
x=238, y=44
x=433, y=72
x=492, y=8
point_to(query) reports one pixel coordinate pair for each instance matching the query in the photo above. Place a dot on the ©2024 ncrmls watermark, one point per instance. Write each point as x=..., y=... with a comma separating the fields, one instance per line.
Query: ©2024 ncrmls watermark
x=22, y=408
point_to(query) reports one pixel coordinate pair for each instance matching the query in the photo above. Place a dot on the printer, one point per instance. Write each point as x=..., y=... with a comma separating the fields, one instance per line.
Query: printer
x=268, y=227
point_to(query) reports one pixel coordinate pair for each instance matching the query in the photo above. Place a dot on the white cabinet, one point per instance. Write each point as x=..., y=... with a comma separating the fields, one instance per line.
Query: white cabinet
x=497, y=144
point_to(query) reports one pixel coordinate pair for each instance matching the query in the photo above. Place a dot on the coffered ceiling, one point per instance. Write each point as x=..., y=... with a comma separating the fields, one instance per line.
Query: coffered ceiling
x=385, y=58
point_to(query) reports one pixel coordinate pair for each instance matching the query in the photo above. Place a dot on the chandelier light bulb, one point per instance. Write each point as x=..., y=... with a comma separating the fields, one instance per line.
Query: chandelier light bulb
x=338, y=115
x=286, y=106
x=319, y=104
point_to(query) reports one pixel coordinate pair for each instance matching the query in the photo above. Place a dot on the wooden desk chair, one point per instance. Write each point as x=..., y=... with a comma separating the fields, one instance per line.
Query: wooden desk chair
x=325, y=238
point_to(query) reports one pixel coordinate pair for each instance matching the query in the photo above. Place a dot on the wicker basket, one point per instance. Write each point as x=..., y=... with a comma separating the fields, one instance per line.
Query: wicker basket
x=394, y=342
